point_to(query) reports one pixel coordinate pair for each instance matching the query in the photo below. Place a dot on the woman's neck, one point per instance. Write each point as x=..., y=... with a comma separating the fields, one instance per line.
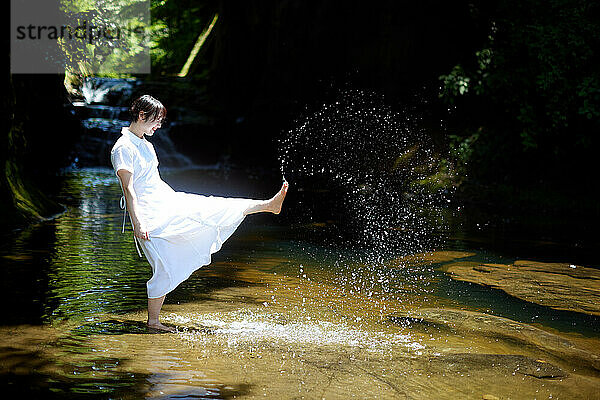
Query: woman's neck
x=135, y=129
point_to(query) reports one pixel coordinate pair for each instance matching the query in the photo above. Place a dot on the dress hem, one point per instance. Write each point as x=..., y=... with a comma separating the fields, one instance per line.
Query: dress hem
x=172, y=287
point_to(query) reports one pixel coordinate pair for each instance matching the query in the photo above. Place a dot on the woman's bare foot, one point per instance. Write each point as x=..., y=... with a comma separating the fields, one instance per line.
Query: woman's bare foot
x=161, y=327
x=274, y=204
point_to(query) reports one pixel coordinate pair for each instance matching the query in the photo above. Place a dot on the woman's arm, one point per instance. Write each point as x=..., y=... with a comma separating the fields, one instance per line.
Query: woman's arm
x=139, y=229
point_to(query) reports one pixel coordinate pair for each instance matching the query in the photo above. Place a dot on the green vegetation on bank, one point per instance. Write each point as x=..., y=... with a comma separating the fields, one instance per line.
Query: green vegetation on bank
x=526, y=104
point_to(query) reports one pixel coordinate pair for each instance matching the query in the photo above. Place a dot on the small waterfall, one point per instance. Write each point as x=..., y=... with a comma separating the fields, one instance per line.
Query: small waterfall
x=106, y=90
x=91, y=95
x=103, y=114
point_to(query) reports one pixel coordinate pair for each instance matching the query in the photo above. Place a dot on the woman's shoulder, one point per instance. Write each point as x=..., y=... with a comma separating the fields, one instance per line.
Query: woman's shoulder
x=122, y=143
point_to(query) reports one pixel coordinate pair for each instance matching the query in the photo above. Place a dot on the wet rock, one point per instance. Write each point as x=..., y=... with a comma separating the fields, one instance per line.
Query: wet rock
x=508, y=363
x=429, y=258
x=523, y=336
x=559, y=286
x=412, y=322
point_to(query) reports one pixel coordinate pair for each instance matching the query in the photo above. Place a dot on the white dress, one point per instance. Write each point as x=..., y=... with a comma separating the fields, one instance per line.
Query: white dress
x=184, y=229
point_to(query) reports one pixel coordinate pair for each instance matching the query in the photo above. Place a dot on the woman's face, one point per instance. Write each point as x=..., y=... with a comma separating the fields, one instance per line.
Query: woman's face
x=148, y=127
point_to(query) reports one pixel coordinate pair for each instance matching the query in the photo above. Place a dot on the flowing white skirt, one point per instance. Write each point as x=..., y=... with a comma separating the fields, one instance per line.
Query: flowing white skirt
x=189, y=231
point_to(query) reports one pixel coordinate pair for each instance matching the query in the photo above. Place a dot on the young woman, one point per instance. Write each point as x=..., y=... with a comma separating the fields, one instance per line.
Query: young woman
x=177, y=231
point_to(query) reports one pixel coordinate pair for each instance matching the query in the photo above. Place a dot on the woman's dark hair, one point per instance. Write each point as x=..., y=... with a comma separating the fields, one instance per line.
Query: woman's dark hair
x=151, y=107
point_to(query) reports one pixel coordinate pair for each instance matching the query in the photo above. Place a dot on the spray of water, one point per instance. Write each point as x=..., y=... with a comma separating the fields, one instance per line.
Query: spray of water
x=373, y=172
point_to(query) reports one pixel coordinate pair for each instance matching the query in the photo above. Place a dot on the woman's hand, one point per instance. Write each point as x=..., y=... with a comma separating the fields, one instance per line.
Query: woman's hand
x=139, y=228
x=140, y=231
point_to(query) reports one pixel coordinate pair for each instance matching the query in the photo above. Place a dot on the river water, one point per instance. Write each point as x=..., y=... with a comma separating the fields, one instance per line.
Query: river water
x=279, y=313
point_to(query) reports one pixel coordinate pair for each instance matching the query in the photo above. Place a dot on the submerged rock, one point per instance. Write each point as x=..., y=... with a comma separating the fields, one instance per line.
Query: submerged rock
x=527, y=338
x=410, y=322
x=436, y=257
x=556, y=285
x=508, y=363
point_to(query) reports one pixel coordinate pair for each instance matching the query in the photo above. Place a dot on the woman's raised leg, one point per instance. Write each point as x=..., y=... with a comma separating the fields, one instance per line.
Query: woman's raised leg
x=154, y=306
x=273, y=205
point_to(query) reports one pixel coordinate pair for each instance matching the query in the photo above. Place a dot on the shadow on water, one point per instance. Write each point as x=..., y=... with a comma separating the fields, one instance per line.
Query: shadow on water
x=126, y=327
x=542, y=238
x=33, y=375
x=25, y=260
x=200, y=286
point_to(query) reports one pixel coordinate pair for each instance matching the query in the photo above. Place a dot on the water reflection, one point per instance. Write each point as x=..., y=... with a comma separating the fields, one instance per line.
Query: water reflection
x=93, y=269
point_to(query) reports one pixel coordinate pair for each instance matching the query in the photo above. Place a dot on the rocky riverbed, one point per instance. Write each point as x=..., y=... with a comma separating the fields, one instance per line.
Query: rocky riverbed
x=560, y=286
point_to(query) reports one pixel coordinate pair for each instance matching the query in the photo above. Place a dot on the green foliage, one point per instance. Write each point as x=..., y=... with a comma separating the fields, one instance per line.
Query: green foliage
x=539, y=70
x=454, y=84
x=441, y=176
x=176, y=25
x=119, y=49
x=174, y=28
x=459, y=81
x=461, y=151
x=589, y=92
x=29, y=202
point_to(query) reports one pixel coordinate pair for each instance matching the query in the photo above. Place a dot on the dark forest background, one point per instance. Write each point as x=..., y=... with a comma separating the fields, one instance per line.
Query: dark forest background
x=516, y=83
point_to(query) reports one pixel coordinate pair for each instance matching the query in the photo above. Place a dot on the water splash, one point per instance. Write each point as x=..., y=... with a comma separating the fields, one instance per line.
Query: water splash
x=386, y=181
x=245, y=327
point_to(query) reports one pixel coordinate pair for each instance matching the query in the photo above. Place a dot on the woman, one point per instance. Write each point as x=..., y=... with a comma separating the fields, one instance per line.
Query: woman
x=177, y=231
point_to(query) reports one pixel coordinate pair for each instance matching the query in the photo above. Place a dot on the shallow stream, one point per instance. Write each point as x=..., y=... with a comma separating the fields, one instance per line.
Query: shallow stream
x=278, y=314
